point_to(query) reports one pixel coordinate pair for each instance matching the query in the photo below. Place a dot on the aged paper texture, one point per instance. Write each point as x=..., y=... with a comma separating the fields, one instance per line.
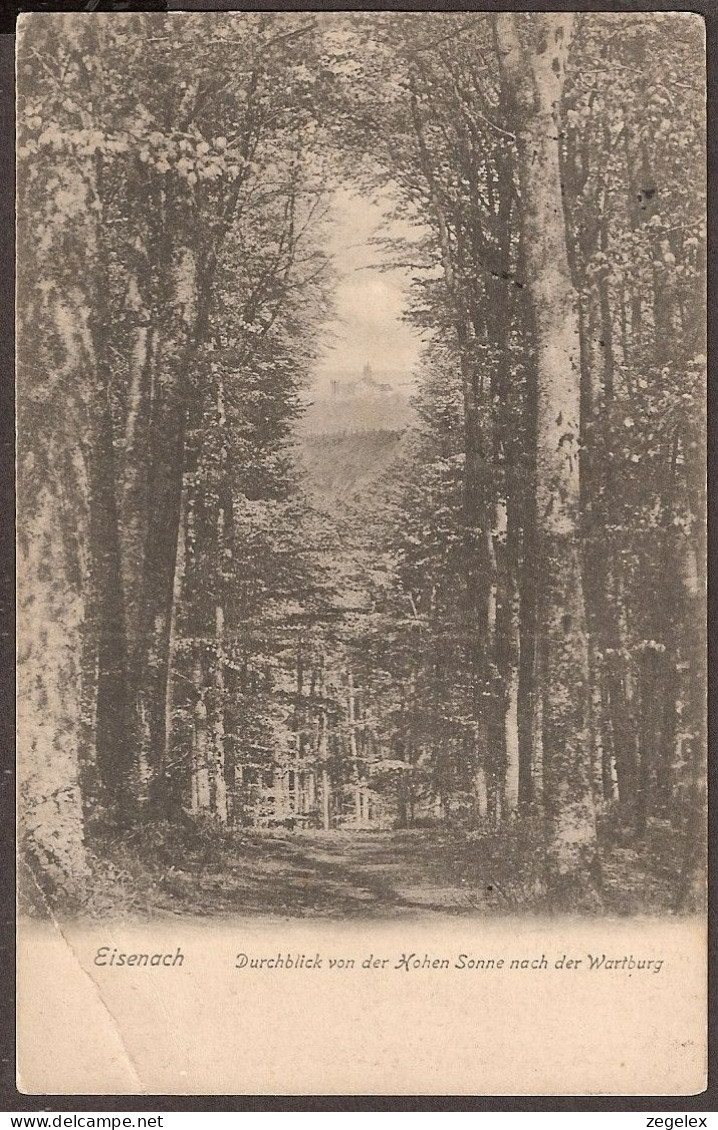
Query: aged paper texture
x=361, y=553
x=211, y=1027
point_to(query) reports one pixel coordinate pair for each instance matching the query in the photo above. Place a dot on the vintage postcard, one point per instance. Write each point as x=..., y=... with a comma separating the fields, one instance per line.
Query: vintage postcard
x=361, y=512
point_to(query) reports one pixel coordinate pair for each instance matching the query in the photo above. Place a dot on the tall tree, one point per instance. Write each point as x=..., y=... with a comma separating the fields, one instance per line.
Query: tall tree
x=532, y=53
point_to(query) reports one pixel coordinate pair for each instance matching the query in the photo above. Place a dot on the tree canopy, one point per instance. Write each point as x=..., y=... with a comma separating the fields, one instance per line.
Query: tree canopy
x=498, y=625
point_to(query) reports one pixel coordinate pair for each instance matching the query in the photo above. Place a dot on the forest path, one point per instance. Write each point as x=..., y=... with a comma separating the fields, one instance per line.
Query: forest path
x=328, y=874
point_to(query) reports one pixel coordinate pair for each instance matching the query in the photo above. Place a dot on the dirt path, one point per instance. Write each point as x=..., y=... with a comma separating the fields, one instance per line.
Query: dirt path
x=325, y=874
x=354, y=874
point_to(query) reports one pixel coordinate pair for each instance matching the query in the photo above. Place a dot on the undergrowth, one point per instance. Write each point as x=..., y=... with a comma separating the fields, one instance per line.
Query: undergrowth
x=205, y=868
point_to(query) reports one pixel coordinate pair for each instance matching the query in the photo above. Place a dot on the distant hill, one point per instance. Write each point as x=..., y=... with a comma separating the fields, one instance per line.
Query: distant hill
x=344, y=466
x=326, y=416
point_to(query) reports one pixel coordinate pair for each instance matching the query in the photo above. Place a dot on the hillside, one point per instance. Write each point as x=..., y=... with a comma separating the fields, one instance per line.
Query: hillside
x=344, y=466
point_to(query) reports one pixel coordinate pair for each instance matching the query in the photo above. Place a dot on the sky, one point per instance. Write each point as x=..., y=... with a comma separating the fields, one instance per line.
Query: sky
x=367, y=326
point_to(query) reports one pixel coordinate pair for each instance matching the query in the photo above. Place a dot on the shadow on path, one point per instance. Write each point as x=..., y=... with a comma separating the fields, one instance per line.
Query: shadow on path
x=326, y=874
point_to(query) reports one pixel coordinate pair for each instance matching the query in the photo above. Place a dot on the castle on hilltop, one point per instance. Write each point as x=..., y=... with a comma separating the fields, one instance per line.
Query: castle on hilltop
x=366, y=385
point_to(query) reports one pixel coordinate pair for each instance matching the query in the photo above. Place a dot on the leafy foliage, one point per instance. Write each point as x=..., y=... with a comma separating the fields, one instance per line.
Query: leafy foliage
x=207, y=639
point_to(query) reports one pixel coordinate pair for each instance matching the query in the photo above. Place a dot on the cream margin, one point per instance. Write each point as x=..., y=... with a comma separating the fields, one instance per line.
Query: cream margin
x=208, y=1028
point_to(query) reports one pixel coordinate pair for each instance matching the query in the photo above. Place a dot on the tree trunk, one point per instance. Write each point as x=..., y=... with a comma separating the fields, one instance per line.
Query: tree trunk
x=50, y=614
x=691, y=890
x=326, y=800
x=133, y=469
x=323, y=752
x=506, y=652
x=534, y=76
x=221, y=807
x=200, y=759
x=171, y=680
x=113, y=741
x=526, y=701
x=477, y=490
x=164, y=497
x=351, y=717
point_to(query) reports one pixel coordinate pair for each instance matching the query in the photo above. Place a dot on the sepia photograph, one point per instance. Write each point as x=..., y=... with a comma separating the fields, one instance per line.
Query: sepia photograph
x=361, y=517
